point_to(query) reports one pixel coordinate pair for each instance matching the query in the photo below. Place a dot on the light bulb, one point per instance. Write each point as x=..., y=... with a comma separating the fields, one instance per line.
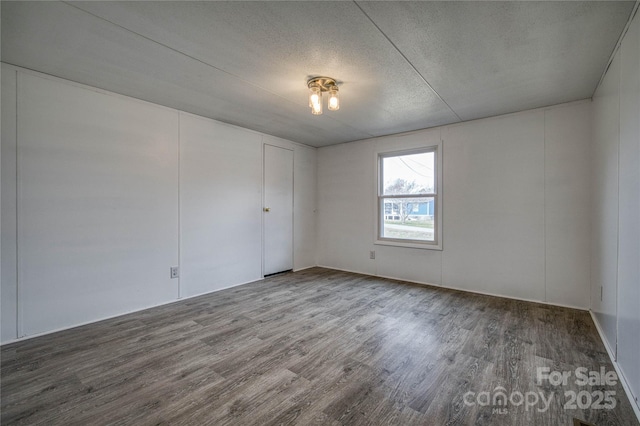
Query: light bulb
x=334, y=100
x=316, y=109
x=315, y=100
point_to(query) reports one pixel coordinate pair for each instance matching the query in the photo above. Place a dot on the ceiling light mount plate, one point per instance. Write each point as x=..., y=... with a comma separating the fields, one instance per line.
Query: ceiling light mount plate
x=324, y=83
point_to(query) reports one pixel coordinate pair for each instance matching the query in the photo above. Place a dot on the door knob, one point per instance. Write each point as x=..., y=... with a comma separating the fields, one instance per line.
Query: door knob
x=267, y=209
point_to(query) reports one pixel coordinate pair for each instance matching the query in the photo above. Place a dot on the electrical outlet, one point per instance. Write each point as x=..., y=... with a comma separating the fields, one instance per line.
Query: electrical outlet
x=175, y=272
x=372, y=254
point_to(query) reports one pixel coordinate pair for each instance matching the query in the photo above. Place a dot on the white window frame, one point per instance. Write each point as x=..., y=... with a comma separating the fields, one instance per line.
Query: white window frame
x=437, y=197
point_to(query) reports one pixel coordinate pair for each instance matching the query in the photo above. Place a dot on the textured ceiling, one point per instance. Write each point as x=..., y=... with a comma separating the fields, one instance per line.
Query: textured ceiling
x=402, y=65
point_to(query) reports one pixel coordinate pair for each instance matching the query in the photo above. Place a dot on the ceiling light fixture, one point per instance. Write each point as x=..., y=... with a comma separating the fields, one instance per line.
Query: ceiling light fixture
x=317, y=86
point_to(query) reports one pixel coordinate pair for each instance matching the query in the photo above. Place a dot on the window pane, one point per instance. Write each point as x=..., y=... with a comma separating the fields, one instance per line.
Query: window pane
x=408, y=218
x=409, y=174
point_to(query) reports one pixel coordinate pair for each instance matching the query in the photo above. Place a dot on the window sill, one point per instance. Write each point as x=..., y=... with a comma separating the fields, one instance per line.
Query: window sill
x=408, y=244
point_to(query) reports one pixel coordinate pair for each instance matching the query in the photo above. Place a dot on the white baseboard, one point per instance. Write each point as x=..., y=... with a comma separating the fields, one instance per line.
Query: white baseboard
x=459, y=289
x=542, y=302
x=44, y=333
x=382, y=276
x=303, y=268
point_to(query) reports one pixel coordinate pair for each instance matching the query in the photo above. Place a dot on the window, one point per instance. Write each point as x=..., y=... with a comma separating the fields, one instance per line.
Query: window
x=408, y=198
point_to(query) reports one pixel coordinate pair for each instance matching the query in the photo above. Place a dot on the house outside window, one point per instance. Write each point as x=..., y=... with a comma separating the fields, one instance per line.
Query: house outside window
x=409, y=198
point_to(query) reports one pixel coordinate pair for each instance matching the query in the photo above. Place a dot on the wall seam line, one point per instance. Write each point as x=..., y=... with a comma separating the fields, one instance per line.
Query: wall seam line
x=544, y=200
x=179, y=210
x=616, y=48
x=18, y=309
x=422, y=77
x=615, y=346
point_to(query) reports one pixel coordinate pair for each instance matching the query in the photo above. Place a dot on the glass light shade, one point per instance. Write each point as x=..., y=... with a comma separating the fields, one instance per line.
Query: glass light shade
x=334, y=100
x=316, y=109
x=313, y=97
x=315, y=100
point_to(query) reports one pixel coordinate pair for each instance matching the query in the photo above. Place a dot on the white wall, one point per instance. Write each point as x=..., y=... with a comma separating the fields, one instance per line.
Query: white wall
x=97, y=205
x=629, y=210
x=304, y=207
x=516, y=203
x=567, y=205
x=220, y=205
x=616, y=204
x=604, y=181
x=9, y=291
x=111, y=192
x=494, y=206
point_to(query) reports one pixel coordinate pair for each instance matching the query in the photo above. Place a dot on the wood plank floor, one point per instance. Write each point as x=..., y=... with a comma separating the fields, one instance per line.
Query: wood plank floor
x=313, y=347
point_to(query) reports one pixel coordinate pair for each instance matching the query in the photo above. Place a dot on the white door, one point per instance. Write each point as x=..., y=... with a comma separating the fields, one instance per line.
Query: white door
x=278, y=209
